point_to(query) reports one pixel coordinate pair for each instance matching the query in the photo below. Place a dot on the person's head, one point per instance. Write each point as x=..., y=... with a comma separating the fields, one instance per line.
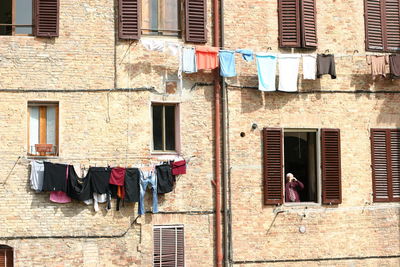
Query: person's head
x=289, y=177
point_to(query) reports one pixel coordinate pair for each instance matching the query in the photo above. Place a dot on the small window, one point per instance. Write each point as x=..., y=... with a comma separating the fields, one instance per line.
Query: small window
x=164, y=127
x=16, y=17
x=161, y=17
x=169, y=247
x=6, y=256
x=43, y=129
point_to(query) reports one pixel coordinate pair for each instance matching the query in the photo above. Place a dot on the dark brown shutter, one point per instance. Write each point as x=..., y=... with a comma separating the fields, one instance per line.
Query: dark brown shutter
x=394, y=186
x=373, y=10
x=289, y=23
x=9, y=258
x=47, y=18
x=168, y=246
x=392, y=25
x=2, y=257
x=273, y=166
x=308, y=23
x=129, y=19
x=196, y=21
x=330, y=163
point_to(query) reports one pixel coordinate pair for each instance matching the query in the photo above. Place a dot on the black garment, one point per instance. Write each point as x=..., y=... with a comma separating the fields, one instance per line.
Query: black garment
x=394, y=62
x=99, y=179
x=78, y=188
x=55, y=177
x=165, y=179
x=132, y=186
x=326, y=65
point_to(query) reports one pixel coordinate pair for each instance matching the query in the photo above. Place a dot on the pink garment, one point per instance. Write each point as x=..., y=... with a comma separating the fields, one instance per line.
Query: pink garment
x=59, y=197
x=117, y=176
x=207, y=57
x=291, y=191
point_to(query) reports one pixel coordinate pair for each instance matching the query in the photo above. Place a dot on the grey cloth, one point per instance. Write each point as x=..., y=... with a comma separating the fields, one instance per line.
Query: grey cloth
x=37, y=174
x=326, y=65
x=394, y=61
x=189, y=60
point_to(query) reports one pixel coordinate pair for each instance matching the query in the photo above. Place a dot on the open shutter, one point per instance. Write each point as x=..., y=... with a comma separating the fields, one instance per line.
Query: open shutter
x=47, y=18
x=394, y=182
x=373, y=25
x=273, y=166
x=330, y=161
x=129, y=19
x=168, y=246
x=2, y=257
x=392, y=25
x=9, y=258
x=196, y=21
x=380, y=164
x=308, y=23
x=289, y=23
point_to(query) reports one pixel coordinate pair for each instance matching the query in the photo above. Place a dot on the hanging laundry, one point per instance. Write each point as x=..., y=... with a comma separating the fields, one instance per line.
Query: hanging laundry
x=378, y=65
x=99, y=181
x=132, y=185
x=78, y=188
x=206, y=57
x=99, y=198
x=246, y=54
x=394, y=66
x=165, y=179
x=153, y=44
x=148, y=178
x=117, y=176
x=309, y=66
x=60, y=196
x=54, y=178
x=189, y=60
x=37, y=175
x=266, y=67
x=179, y=167
x=326, y=65
x=172, y=49
x=288, y=72
x=227, y=62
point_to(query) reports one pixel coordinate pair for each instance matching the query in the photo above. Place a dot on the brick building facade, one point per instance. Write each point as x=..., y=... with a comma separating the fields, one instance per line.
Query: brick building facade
x=104, y=88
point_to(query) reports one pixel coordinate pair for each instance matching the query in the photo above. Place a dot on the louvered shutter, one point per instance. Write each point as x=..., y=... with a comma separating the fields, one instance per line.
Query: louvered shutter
x=330, y=163
x=196, y=21
x=2, y=257
x=168, y=246
x=180, y=245
x=47, y=18
x=9, y=258
x=289, y=23
x=394, y=186
x=392, y=25
x=157, y=247
x=129, y=19
x=308, y=23
x=373, y=25
x=273, y=166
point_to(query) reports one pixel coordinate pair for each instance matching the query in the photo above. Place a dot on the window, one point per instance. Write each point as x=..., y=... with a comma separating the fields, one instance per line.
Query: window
x=297, y=23
x=169, y=247
x=382, y=25
x=161, y=17
x=164, y=127
x=300, y=152
x=16, y=17
x=6, y=256
x=43, y=128
x=385, y=147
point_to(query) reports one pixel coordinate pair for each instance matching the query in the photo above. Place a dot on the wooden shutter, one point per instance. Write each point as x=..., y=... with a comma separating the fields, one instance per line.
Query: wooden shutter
x=289, y=23
x=394, y=185
x=9, y=258
x=196, y=21
x=129, y=19
x=392, y=25
x=47, y=18
x=2, y=257
x=273, y=166
x=330, y=163
x=308, y=23
x=6, y=256
x=168, y=246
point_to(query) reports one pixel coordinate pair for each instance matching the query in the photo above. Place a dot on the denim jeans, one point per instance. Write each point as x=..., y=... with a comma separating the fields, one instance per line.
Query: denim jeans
x=148, y=179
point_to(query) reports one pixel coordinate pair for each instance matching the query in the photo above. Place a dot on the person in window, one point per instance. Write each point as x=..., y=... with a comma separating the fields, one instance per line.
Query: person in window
x=292, y=187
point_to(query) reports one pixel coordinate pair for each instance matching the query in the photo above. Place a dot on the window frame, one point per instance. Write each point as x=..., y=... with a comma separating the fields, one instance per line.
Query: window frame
x=42, y=110
x=173, y=226
x=13, y=22
x=176, y=129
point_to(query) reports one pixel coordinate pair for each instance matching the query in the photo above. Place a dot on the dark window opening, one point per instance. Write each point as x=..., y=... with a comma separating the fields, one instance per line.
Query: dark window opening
x=300, y=155
x=164, y=127
x=6, y=256
x=16, y=17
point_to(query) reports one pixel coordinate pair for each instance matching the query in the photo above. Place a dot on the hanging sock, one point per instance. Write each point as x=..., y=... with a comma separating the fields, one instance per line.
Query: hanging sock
x=309, y=66
x=189, y=60
x=266, y=67
x=246, y=54
x=227, y=62
x=288, y=72
x=207, y=57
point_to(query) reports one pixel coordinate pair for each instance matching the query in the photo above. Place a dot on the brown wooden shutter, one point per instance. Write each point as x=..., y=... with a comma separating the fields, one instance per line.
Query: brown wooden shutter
x=47, y=18
x=308, y=23
x=168, y=246
x=273, y=166
x=129, y=19
x=392, y=25
x=394, y=185
x=2, y=257
x=373, y=10
x=196, y=21
x=330, y=163
x=289, y=23
x=9, y=258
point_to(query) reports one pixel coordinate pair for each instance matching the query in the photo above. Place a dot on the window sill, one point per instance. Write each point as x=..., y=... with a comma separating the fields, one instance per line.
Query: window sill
x=301, y=204
x=42, y=157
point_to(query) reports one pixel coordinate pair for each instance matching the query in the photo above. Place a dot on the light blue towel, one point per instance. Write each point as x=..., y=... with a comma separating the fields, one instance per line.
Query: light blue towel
x=266, y=67
x=227, y=62
x=246, y=54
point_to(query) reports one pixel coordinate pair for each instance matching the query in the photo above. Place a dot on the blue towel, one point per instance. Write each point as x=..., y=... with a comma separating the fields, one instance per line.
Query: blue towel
x=266, y=67
x=227, y=62
x=246, y=54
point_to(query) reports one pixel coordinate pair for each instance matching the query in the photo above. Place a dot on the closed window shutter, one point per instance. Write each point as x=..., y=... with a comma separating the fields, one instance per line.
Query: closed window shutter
x=330, y=163
x=129, y=19
x=2, y=257
x=273, y=166
x=47, y=18
x=168, y=246
x=373, y=25
x=9, y=258
x=394, y=185
x=6, y=256
x=196, y=21
x=289, y=23
x=308, y=23
x=392, y=25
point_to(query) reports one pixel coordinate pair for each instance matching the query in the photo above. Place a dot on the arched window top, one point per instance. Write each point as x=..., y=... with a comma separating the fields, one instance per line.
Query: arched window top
x=6, y=256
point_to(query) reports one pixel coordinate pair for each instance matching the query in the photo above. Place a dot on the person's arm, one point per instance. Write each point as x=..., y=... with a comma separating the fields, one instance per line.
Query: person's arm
x=299, y=184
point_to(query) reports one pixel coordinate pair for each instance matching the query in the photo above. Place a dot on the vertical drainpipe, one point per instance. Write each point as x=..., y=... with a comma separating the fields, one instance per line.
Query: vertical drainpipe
x=217, y=180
